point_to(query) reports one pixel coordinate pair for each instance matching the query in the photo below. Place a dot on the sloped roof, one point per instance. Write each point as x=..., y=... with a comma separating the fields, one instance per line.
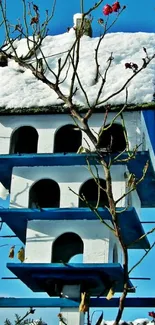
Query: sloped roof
x=20, y=90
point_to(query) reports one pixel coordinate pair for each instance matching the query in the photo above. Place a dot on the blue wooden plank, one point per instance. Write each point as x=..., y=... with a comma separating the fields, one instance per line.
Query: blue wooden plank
x=131, y=229
x=135, y=302
x=149, y=117
x=47, y=277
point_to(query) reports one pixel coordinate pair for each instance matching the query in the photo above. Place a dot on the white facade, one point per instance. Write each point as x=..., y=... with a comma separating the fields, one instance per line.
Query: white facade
x=99, y=243
x=67, y=177
x=147, y=141
x=95, y=236
x=47, y=126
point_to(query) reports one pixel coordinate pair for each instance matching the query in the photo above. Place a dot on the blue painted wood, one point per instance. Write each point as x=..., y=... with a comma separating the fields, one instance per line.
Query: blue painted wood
x=50, y=277
x=7, y=162
x=149, y=117
x=62, y=302
x=129, y=222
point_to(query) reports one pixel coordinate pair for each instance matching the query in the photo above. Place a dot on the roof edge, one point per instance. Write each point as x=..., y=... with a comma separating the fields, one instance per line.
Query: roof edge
x=61, y=109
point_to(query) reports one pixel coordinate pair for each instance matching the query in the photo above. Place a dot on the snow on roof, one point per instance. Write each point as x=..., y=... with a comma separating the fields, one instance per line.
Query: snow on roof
x=20, y=89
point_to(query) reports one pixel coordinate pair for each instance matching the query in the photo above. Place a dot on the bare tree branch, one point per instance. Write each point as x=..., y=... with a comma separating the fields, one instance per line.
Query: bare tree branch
x=142, y=258
x=144, y=65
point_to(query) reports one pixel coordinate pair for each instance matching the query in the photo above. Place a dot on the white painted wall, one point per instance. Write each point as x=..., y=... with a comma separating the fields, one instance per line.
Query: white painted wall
x=98, y=241
x=47, y=125
x=42, y=233
x=66, y=176
x=72, y=316
x=147, y=141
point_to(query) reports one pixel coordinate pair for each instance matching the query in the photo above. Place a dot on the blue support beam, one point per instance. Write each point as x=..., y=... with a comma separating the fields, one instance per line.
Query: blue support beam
x=143, y=302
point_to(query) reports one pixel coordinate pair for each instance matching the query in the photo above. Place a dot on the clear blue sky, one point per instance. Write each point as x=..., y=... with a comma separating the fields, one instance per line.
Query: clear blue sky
x=138, y=16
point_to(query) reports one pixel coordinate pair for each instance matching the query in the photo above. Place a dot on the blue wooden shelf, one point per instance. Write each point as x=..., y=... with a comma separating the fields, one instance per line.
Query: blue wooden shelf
x=129, y=222
x=50, y=277
x=133, y=302
x=7, y=162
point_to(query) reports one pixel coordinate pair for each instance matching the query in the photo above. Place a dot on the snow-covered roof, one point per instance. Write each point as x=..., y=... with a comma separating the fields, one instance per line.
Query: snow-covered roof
x=20, y=89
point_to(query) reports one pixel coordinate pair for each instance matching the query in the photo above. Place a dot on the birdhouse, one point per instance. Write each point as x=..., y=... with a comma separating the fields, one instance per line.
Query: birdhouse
x=59, y=208
x=66, y=245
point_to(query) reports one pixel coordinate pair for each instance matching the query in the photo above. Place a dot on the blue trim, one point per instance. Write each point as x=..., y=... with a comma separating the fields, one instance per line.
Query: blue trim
x=50, y=277
x=7, y=162
x=62, y=302
x=130, y=225
x=149, y=117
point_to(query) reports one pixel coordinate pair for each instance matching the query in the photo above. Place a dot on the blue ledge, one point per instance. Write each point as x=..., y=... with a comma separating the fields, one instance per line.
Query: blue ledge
x=7, y=162
x=68, y=303
x=50, y=277
x=129, y=222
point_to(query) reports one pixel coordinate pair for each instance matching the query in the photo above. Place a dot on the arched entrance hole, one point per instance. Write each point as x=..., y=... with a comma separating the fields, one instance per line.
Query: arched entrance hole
x=66, y=246
x=67, y=139
x=93, y=193
x=44, y=194
x=113, y=139
x=24, y=140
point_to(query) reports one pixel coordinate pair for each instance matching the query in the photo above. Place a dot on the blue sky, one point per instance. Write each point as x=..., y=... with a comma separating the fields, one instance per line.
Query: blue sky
x=138, y=16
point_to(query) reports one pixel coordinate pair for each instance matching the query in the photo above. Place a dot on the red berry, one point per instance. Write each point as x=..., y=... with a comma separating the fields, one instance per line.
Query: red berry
x=107, y=9
x=134, y=66
x=152, y=314
x=116, y=6
x=128, y=66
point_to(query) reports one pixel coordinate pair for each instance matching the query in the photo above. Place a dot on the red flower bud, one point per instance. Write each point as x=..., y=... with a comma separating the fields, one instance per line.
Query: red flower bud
x=116, y=6
x=128, y=66
x=134, y=66
x=107, y=9
x=151, y=314
x=34, y=20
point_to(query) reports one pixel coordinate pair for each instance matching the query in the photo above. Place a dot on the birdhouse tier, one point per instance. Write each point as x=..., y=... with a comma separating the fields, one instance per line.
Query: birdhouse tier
x=51, y=278
x=57, y=133
x=134, y=166
x=130, y=225
x=53, y=140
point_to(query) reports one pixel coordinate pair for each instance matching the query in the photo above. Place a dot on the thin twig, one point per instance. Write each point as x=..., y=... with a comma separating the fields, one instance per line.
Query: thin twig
x=142, y=237
x=92, y=209
x=144, y=65
x=134, y=186
x=31, y=311
x=142, y=258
